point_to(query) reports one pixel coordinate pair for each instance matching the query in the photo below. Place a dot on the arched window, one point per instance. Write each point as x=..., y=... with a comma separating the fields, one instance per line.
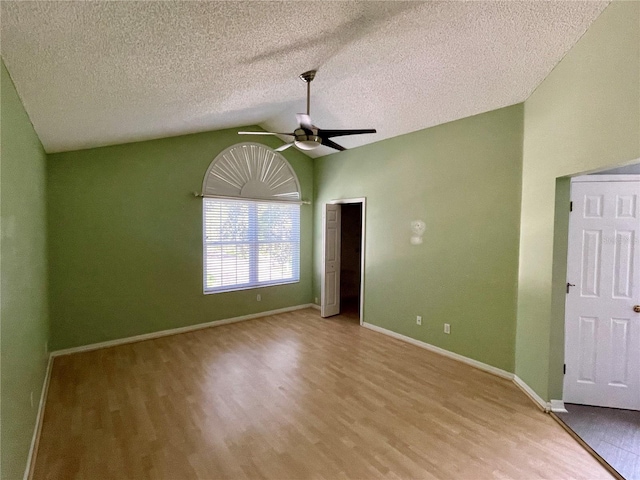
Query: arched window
x=251, y=220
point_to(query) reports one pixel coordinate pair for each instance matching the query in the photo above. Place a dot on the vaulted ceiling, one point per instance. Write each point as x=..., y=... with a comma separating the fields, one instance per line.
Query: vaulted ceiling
x=100, y=73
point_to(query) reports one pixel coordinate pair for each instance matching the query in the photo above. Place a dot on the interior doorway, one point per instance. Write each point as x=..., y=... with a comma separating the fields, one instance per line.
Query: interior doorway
x=343, y=259
x=601, y=388
x=351, y=255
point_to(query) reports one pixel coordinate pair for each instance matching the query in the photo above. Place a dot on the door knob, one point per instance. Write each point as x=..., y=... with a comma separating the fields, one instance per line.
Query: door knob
x=636, y=308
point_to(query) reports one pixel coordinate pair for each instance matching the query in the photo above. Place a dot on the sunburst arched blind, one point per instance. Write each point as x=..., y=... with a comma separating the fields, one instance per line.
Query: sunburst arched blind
x=251, y=220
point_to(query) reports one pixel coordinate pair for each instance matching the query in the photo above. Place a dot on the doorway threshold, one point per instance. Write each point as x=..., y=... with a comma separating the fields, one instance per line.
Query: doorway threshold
x=612, y=434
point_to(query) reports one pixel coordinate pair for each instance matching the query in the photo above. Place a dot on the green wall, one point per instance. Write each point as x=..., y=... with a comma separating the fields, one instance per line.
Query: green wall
x=463, y=180
x=125, y=240
x=24, y=327
x=584, y=116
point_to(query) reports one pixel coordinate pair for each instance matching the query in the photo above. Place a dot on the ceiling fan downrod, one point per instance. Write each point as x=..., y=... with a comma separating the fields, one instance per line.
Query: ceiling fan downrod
x=307, y=77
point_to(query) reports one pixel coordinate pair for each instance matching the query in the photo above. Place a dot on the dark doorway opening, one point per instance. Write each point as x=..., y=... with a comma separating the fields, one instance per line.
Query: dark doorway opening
x=351, y=260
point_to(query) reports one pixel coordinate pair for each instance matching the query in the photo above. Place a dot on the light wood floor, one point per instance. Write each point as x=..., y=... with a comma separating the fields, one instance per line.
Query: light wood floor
x=293, y=396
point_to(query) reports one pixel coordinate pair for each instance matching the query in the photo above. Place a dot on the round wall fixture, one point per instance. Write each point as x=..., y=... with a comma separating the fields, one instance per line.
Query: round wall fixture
x=418, y=228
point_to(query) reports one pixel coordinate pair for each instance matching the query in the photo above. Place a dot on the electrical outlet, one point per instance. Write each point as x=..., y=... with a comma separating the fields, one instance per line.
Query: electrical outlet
x=316, y=300
x=259, y=297
x=419, y=320
x=447, y=328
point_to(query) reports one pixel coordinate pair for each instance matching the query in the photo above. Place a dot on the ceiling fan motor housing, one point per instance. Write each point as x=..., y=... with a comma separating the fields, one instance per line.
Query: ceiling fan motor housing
x=305, y=140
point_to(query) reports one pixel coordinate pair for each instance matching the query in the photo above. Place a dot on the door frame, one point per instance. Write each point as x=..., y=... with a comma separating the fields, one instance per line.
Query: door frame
x=605, y=178
x=341, y=201
x=583, y=179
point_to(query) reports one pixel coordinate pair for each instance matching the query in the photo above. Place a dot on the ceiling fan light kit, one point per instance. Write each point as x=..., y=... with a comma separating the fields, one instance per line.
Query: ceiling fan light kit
x=307, y=136
x=312, y=142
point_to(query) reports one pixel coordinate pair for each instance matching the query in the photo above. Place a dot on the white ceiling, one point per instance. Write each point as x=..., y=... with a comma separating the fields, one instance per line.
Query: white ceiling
x=100, y=73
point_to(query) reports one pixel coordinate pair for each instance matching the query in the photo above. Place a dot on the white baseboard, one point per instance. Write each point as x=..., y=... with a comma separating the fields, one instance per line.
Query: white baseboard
x=557, y=406
x=317, y=307
x=37, y=429
x=175, y=331
x=531, y=394
x=427, y=346
x=474, y=363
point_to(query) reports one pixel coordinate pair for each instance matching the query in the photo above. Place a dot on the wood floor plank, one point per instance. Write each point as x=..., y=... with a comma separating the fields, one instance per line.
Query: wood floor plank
x=293, y=396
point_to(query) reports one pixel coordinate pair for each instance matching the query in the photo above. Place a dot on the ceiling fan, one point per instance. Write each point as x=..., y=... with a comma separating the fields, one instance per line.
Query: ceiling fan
x=308, y=136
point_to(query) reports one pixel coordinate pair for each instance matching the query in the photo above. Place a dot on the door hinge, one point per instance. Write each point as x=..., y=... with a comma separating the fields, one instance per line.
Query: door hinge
x=571, y=206
x=564, y=369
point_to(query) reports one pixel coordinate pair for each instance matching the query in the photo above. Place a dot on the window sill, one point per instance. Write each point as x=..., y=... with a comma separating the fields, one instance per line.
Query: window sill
x=250, y=287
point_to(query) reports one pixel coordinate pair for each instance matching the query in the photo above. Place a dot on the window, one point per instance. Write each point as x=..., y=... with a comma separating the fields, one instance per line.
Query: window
x=251, y=220
x=250, y=243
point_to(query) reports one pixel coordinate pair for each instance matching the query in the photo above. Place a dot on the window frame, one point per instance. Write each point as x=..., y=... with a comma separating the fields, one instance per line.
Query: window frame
x=254, y=244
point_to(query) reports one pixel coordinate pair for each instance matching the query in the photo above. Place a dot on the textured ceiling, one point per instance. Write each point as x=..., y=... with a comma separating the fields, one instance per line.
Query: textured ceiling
x=100, y=73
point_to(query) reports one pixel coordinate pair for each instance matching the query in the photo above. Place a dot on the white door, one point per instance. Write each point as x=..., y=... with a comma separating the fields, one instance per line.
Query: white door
x=330, y=301
x=602, y=330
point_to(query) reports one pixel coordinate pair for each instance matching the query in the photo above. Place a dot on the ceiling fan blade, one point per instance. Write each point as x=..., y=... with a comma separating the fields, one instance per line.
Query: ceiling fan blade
x=342, y=133
x=329, y=143
x=304, y=120
x=265, y=133
x=283, y=147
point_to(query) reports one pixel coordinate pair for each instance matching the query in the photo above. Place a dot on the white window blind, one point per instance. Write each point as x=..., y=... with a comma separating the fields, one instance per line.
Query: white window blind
x=250, y=244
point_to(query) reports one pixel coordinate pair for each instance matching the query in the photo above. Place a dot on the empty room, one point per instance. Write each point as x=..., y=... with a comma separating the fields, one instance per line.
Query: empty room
x=320, y=240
